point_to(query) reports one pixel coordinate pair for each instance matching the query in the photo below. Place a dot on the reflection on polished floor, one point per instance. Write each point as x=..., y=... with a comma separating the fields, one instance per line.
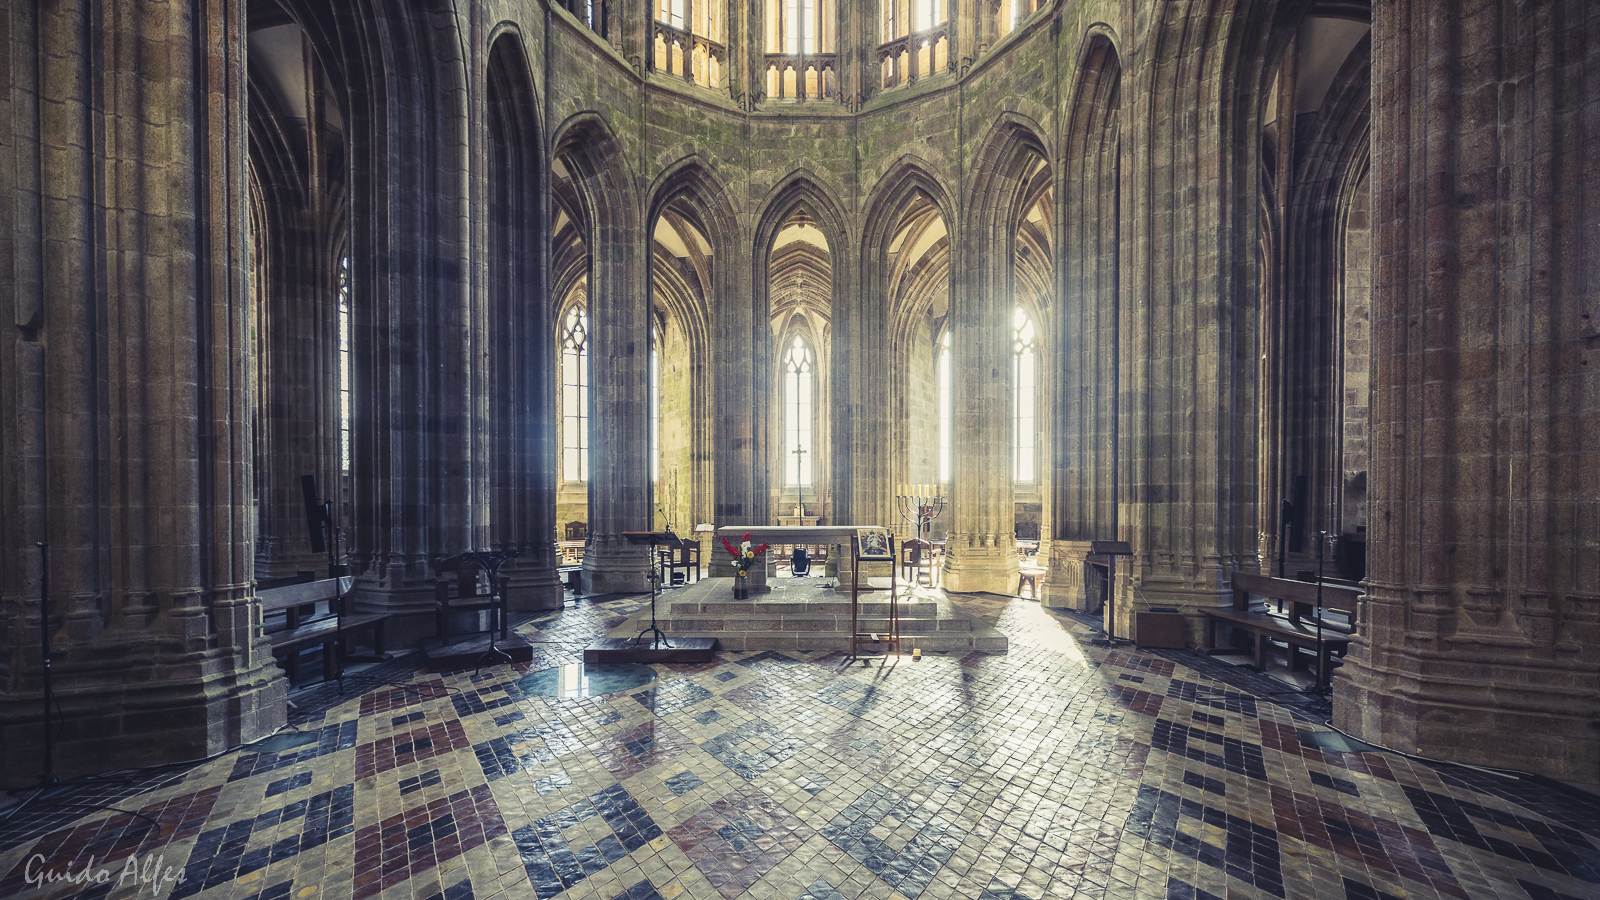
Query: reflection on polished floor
x=1056, y=770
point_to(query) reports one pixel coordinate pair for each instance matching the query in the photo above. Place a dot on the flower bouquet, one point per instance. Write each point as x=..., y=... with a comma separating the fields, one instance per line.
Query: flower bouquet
x=744, y=556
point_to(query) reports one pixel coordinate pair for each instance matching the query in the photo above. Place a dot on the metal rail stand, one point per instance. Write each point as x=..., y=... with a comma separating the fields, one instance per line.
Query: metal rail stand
x=652, y=539
x=490, y=562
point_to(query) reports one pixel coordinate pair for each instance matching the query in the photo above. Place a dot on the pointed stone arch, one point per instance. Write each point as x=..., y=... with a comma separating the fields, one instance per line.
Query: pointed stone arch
x=801, y=191
x=907, y=205
x=1086, y=325
x=522, y=397
x=690, y=192
x=1006, y=171
x=619, y=489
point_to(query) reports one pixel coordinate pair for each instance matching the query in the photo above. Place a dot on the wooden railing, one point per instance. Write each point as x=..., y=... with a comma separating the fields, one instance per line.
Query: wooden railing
x=802, y=76
x=677, y=51
x=905, y=59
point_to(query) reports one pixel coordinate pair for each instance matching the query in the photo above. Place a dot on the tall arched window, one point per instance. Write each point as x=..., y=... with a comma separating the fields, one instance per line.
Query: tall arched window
x=800, y=49
x=689, y=41
x=916, y=40
x=344, y=365
x=946, y=407
x=1025, y=349
x=798, y=367
x=655, y=404
x=593, y=13
x=575, y=395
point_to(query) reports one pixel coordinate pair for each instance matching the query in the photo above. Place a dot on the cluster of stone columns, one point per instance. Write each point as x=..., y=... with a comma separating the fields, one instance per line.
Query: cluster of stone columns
x=127, y=370
x=152, y=195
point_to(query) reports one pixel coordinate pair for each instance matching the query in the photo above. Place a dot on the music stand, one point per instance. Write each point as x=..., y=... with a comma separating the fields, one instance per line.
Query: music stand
x=490, y=562
x=652, y=539
x=1110, y=550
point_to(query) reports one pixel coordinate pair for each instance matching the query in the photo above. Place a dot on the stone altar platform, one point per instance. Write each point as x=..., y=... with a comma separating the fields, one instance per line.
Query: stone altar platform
x=840, y=564
x=802, y=614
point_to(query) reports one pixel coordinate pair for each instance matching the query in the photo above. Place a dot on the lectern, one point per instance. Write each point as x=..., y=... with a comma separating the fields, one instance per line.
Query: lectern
x=652, y=539
x=1110, y=550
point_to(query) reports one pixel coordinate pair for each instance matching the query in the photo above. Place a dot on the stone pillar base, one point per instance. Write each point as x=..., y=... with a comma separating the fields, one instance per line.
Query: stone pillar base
x=187, y=710
x=1463, y=687
x=980, y=569
x=1064, y=586
x=533, y=591
x=612, y=565
x=1187, y=599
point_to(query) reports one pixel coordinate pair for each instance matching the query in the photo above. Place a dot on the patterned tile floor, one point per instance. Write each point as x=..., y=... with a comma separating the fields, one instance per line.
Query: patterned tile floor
x=1057, y=770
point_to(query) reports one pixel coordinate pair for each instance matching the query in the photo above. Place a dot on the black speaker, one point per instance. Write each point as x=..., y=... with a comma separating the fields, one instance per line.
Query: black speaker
x=316, y=513
x=1297, y=515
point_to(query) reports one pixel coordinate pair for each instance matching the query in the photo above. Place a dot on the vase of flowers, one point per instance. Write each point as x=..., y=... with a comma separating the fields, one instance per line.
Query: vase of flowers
x=744, y=556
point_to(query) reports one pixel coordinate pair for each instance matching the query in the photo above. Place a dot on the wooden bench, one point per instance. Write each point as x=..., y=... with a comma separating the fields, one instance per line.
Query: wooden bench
x=1298, y=629
x=462, y=575
x=313, y=615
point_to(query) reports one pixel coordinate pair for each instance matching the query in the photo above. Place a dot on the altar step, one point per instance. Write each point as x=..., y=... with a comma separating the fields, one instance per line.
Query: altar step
x=804, y=617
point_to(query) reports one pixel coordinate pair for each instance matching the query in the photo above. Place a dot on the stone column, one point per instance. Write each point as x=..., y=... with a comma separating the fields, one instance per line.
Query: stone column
x=1085, y=329
x=1188, y=320
x=619, y=376
x=980, y=553
x=419, y=487
x=125, y=442
x=297, y=313
x=514, y=191
x=1478, y=640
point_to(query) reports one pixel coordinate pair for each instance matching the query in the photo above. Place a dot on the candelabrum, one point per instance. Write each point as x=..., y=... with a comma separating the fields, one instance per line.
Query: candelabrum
x=919, y=504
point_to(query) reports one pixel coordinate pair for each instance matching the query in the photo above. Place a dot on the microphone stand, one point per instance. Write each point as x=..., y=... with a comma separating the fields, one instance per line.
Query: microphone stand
x=490, y=562
x=48, y=778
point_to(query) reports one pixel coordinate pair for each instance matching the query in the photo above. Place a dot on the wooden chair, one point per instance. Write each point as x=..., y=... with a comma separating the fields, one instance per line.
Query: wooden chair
x=917, y=563
x=462, y=575
x=683, y=557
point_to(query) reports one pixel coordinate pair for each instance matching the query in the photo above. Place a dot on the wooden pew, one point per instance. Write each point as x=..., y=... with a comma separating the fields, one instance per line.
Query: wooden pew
x=313, y=614
x=1297, y=629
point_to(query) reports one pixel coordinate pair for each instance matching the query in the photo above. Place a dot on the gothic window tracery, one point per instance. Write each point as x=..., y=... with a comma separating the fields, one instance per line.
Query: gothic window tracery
x=917, y=40
x=799, y=367
x=946, y=407
x=689, y=41
x=575, y=395
x=1024, y=348
x=801, y=51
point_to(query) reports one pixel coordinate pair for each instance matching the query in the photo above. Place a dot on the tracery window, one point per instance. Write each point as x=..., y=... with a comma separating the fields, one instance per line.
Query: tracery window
x=1025, y=354
x=917, y=40
x=1008, y=14
x=946, y=407
x=801, y=51
x=594, y=13
x=655, y=404
x=690, y=41
x=575, y=395
x=799, y=367
x=344, y=365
